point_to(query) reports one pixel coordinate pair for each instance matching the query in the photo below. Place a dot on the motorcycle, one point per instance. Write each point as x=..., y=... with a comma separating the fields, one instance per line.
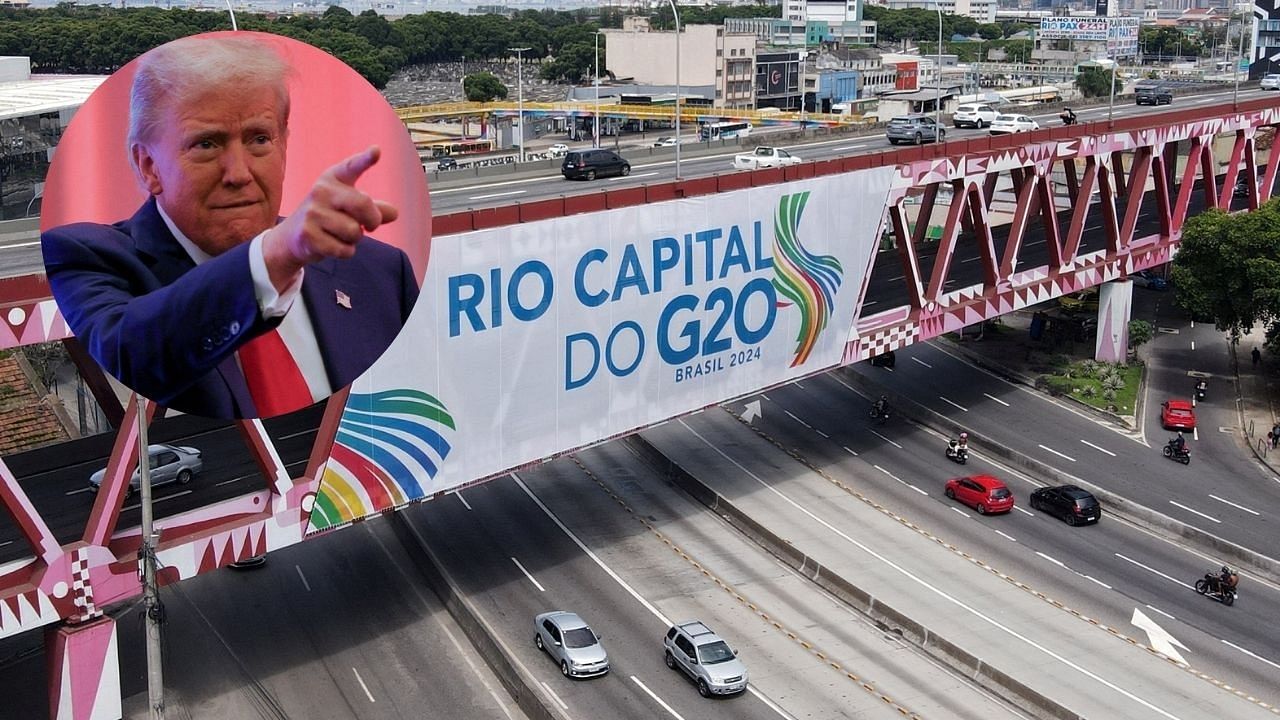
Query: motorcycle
x=957, y=453
x=1068, y=118
x=1201, y=387
x=1211, y=586
x=1183, y=456
x=879, y=413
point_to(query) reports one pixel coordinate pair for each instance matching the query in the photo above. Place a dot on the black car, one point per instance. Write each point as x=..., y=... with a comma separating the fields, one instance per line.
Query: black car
x=1153, y=95
x=591, y=164
x=1071, y=504
x=446, y=163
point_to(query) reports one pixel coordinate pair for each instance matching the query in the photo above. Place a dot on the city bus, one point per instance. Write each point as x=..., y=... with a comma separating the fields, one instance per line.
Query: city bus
x=461, y=147
x=724, y=130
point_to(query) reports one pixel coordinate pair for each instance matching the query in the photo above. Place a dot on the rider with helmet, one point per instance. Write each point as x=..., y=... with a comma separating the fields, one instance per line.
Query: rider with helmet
x=881, y=406
x=1179, y=444
x=1068, y=116
x=1227, y=580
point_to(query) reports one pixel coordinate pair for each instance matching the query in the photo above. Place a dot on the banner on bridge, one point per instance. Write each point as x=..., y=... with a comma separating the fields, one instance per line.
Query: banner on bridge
x=533, y=340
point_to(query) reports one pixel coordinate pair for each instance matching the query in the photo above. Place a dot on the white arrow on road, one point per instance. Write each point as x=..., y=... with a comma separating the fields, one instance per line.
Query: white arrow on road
x=1159, y=638
x=752, y=412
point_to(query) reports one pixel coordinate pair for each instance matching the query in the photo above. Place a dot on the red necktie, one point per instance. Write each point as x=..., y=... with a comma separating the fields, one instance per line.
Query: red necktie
x=275, y=382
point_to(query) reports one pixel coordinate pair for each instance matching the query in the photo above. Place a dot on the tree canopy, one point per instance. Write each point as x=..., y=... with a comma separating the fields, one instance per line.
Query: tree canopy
x=1094, y=81
x=483, y=87
x=1228, y=269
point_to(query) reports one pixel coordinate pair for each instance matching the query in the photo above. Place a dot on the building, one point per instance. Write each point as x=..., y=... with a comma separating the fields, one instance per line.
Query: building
x=779, y=78
x=785, y=33
x=981, y=10
x=34, y=112
x=709, y=56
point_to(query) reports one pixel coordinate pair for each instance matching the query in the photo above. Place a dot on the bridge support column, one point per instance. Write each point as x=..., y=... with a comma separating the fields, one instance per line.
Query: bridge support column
x=1115, y=307
x=84, y=671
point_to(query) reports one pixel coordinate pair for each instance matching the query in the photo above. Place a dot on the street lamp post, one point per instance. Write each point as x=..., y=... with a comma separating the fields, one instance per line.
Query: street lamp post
x=937, y=106
x=676, y=14
x=596, y=141
x=1235, y=94
x=519, y=51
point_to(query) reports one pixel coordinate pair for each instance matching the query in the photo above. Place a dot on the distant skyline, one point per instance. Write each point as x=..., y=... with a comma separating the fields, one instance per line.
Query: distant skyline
x=384, y=7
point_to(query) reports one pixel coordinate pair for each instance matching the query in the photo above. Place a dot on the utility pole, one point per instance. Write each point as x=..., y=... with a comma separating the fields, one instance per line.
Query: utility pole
x=519, y=51
x=153, y=608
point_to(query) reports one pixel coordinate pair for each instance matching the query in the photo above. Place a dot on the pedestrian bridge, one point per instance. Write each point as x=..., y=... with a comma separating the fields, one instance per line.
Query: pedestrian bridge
x=545, y=327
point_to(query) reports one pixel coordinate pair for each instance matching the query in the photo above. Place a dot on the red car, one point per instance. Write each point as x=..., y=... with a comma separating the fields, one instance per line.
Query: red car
x=982, y=493
x=1177, y=415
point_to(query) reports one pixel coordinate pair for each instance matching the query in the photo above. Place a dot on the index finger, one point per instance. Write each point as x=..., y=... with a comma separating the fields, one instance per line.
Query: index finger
x=349, y=170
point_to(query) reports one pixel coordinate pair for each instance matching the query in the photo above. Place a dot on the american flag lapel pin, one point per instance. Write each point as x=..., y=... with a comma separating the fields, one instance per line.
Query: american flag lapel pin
x=342, y=299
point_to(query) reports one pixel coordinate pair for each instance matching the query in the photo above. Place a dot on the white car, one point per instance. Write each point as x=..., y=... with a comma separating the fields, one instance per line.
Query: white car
x=558, y=150
x=665, y=142
x=1270, y=82
x=1005, y=124
x=974, y=115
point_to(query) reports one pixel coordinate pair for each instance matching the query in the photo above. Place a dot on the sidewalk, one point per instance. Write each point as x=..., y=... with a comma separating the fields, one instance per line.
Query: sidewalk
x=1258, y=390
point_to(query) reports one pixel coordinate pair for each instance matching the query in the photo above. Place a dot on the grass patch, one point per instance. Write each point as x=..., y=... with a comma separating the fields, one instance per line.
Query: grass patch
x=1102, y=385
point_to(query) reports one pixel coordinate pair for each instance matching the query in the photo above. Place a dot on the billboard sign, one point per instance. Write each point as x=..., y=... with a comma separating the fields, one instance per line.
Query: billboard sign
x=1120, y=33
x=537, y=339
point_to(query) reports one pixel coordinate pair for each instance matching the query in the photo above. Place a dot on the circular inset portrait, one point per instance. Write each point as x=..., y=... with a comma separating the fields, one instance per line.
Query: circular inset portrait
x=235, y=225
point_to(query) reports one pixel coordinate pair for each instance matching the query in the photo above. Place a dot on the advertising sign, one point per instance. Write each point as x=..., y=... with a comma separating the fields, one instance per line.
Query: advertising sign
x=1120, y=34
x=536, y=339
x=1073, y=28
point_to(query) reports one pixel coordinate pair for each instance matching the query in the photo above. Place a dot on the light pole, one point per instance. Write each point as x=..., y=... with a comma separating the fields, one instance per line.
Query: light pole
x=519, y=51
x=937, y=106
x=596, y=141
x=676, y=14
x=147, y=557
x=1235, y=94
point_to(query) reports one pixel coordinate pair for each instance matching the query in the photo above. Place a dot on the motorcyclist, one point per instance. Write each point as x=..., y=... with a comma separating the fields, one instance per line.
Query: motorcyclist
x=1179, y=444
x=881, y=406
x=1068, y=116
x=1201, y=387
x=1227, y=580
x=958, y=447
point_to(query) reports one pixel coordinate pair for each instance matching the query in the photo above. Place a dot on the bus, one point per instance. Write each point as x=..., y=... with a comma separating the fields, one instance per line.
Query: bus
x=724, y=130
x=461, y=147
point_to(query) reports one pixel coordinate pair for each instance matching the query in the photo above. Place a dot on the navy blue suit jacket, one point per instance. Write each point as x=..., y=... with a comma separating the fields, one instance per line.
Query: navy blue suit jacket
x=169, y=329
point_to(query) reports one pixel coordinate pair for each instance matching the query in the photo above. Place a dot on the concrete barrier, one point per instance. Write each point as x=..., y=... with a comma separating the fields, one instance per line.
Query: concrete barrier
x=496, y=654
x=1262, y=566
x=885, y=616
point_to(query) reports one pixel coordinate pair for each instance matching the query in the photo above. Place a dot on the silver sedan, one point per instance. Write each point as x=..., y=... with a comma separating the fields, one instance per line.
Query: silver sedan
x=571, y=643
x=169, y=463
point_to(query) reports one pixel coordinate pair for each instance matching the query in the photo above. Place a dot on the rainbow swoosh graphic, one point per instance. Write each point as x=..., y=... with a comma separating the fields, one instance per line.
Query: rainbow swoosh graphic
x=806, y=280
x=386, y=441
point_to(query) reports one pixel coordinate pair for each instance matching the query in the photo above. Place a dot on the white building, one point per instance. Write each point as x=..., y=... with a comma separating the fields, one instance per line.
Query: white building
x=709, y=57
x=983, y=11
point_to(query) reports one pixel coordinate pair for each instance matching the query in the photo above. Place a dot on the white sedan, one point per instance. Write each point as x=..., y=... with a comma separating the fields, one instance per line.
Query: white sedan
x=1005, y=124
x=558, y=150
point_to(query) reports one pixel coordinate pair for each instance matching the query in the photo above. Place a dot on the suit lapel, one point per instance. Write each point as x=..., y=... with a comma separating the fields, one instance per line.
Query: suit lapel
x=169, y=261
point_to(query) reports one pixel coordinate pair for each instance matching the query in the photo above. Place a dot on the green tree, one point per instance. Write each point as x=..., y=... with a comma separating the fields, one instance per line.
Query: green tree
x=1228, y=268
x=1140, y=332
x=483, y=87
x=990, y=31
x=1094, y=81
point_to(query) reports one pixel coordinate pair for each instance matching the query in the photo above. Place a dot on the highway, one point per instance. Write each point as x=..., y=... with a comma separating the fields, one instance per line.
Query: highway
x=339, y=627
x=605, y=536
x=1105, y=571
x=454, y=195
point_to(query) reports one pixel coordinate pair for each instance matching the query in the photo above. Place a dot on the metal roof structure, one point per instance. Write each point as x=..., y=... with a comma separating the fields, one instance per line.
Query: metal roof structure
x=45, y=93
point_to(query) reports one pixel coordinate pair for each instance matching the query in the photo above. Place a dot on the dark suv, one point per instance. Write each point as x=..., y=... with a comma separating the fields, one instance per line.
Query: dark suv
x=591, y=164
x=1153, y=95
x=1074, y=505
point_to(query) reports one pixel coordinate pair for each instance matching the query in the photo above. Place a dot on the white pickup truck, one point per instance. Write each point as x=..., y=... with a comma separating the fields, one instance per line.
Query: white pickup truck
x=764, y=157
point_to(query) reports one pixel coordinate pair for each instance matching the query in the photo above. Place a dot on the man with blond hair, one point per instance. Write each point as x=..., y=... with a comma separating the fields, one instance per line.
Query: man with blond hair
x=206, y=300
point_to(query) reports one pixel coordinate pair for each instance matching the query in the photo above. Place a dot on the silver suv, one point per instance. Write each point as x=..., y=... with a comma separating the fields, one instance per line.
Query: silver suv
x=915, y=129
x=706, y=658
